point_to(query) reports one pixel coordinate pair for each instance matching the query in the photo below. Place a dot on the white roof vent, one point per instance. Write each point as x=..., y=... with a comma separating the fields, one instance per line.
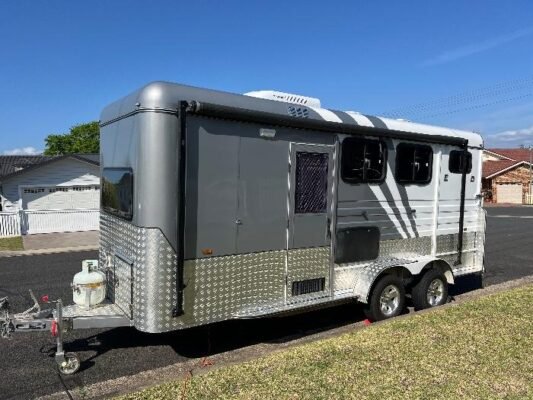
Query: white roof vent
x=285, y=97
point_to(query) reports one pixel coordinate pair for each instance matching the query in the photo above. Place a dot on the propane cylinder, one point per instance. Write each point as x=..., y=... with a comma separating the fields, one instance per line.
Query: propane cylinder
x=89, y=285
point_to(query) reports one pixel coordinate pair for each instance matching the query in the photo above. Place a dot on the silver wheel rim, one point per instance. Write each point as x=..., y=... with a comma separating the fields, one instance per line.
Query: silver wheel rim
x=389, y=301
x=435, y=292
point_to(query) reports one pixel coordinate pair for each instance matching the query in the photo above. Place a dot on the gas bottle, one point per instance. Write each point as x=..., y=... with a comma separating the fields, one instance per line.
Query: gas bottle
x=88, y=286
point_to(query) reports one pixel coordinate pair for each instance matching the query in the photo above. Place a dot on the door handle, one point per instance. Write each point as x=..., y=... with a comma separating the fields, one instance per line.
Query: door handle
x=238, y=221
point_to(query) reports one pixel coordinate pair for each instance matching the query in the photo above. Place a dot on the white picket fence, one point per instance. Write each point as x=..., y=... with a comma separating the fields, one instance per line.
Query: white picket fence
x=27, y=222
x=9, y=224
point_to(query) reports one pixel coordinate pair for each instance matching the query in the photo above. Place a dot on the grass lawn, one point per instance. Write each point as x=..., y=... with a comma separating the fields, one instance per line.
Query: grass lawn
x=481, y=349
x=11, y=243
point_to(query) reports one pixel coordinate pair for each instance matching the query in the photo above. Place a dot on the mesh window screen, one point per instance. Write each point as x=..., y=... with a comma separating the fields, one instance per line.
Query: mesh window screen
x=311, y=194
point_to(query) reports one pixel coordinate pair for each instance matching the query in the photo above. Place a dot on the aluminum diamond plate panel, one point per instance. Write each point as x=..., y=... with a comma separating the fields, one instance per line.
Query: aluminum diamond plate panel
x=154, y=265
x=447, y=243
x=219, y=288
x=405, y=248
x=306, y=264
x=121, y=280
x=101, y=310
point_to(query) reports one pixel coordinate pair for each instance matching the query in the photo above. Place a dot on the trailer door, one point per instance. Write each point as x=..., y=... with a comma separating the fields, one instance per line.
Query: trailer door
x=311, y=195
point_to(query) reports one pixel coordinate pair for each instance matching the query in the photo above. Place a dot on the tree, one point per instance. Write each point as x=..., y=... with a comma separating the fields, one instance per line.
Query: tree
x=82, y=138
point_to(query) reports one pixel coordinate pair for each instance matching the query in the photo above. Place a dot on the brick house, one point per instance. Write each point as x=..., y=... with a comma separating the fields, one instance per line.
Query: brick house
x=507, y=176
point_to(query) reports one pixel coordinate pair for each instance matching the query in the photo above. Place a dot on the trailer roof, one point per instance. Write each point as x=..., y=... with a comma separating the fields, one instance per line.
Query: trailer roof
x=166, y=96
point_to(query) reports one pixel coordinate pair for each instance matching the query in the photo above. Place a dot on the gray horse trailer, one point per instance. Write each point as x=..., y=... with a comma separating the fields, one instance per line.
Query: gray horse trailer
x=220, y=206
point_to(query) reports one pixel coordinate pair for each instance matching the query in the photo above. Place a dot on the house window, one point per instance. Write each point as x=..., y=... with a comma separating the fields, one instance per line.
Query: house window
x=58, y=189
x=311, y=194
x=34, y=190
x=457, y=164
x=363, y=160
x=413, y=163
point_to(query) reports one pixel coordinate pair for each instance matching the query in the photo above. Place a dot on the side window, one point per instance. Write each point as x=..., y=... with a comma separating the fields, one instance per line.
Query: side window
x=117, y=192
x=363, y=160
x=457, y=164
x=413, y=163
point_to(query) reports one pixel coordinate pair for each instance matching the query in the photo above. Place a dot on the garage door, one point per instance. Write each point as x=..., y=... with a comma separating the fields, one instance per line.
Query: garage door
x=61, y=198
x=509, y=193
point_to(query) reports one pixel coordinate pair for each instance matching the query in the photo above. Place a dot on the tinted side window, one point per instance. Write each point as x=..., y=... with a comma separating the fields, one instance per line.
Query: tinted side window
x=117, y=192
x=413, y=163
x=457, y=164
x=363, y=160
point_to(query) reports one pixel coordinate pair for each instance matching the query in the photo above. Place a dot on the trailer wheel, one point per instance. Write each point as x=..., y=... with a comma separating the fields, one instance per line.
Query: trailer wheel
x=430, y=291
x=70, y=365
x=387, y=299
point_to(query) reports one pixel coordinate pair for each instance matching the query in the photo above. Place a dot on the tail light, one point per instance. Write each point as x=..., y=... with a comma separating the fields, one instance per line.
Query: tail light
x=53, y=328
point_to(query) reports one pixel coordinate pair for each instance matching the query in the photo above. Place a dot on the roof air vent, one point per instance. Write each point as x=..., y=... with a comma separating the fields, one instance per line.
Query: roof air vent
x=298, y=112
x=285, y=97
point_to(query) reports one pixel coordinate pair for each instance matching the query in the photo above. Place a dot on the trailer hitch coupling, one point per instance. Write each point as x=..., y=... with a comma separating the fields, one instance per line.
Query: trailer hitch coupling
x=33, y=319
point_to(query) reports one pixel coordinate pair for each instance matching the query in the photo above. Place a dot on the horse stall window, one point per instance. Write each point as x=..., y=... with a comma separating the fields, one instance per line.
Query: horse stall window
x=413, y=163
x=457, y=163
x=363, y=160
x=311, y=195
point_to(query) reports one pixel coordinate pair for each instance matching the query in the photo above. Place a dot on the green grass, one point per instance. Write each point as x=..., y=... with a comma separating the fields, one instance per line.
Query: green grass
x=481, y=349
x=11, y=243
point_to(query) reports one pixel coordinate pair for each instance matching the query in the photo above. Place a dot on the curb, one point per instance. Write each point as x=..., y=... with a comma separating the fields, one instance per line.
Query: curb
x=198, y=366
x=5, y=254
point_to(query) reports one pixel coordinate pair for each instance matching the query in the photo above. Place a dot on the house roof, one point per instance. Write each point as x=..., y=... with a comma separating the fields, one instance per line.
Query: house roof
x=16, y=165
x=491, y=168
x=513, y=154
x=509, y=159
x=91, y=158
x=10, y=164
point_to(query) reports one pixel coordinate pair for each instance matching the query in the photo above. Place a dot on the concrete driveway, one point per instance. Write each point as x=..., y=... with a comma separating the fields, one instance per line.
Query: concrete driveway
x=60, y=240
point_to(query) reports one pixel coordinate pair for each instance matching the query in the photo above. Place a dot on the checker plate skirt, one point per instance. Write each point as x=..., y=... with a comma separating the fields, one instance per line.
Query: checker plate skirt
x=220, y=288
x=306, y=264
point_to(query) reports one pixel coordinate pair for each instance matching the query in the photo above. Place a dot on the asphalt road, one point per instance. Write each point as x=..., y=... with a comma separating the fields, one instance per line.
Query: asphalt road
x=27, y=368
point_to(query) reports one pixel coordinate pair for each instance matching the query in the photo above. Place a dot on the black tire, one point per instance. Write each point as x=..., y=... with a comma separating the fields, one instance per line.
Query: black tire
x=373, y=309
x=435, y=281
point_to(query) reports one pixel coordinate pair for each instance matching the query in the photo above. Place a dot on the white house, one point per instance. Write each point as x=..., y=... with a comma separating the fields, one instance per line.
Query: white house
x=52, y=194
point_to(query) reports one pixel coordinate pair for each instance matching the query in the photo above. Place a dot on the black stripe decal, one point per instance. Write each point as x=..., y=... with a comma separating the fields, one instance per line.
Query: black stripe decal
x=345, y=118
x=392, y=204
x=388, y=194
x=403, y=195
x=405, y=201
x=377, y=122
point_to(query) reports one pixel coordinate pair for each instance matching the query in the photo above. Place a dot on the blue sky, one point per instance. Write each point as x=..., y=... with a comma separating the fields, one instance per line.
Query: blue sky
x=63, y=61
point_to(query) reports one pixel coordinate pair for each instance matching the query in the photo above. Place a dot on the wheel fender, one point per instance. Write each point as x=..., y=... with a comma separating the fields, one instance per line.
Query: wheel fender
x=366, y=277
